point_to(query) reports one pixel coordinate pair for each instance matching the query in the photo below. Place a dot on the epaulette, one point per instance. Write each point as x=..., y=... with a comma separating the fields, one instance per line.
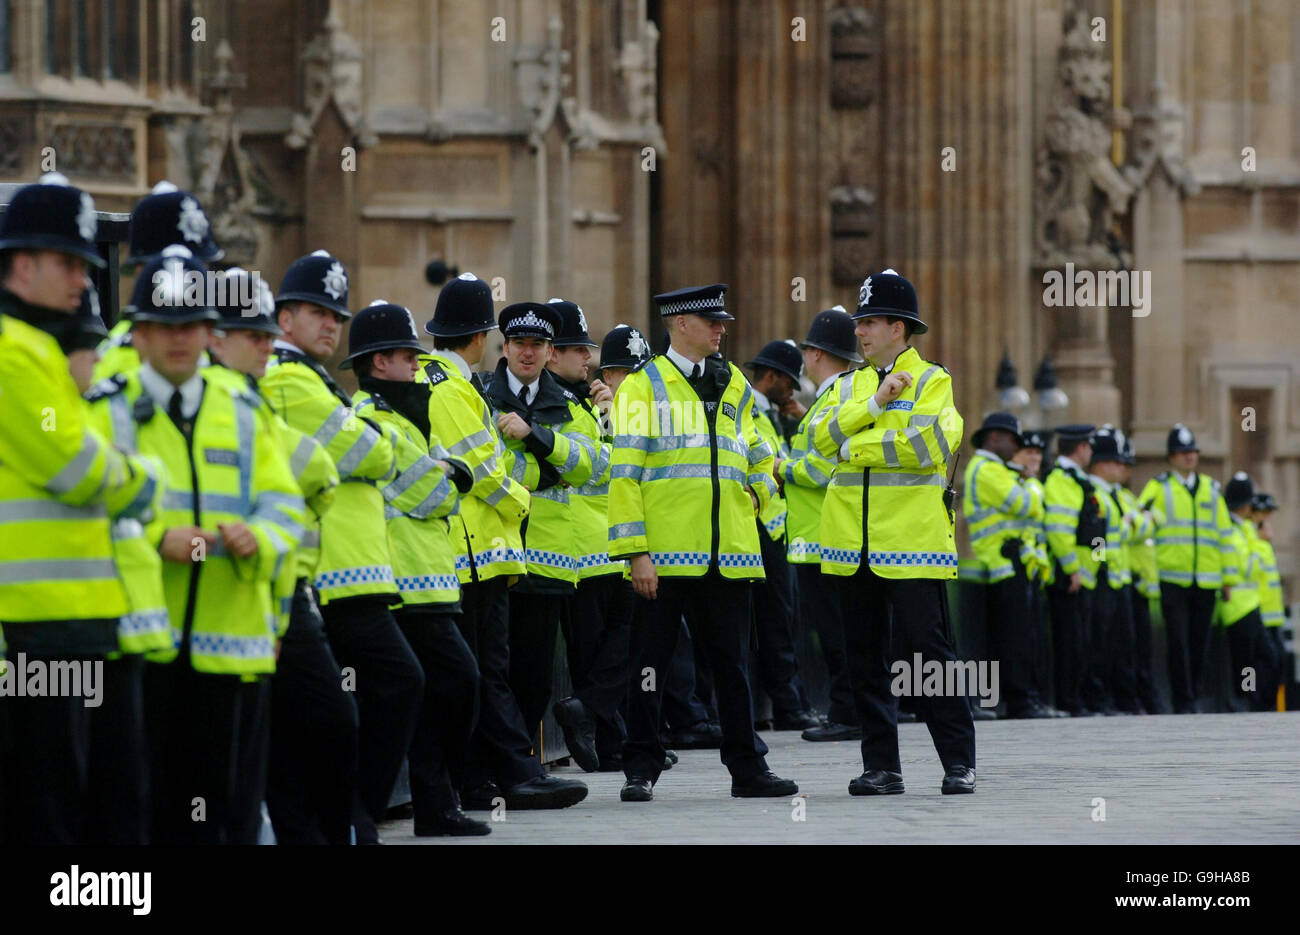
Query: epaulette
x=110, y=386
x=1162, y=476
x=641, y=364
x=568, y=395
x=935, y=363
x=382, y=404
x=435, y=373
x=1214, y=483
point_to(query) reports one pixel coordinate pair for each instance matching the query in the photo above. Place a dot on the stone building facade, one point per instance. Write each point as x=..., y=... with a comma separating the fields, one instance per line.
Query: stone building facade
x=606, y=149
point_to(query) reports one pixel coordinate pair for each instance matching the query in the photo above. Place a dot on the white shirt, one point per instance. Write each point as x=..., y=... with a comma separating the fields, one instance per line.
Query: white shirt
x=1065, y=462
x=516, y=385
x=161, y=389
x=282, y=344
x=455, y=359
x=684, y=363
x=1098, y=482
x=1189, y=481
x=990, y=455
x=762, y=402
x=826, y=384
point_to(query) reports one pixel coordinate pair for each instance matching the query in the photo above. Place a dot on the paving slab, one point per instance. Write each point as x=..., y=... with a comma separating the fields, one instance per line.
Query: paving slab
x=1209, y=778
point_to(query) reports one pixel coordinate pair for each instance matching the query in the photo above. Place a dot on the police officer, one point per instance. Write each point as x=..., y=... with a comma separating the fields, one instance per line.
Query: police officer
x=164, y=217
x=1253, y=670
x=354, y=578
x=384, y=349
x=490, y=552
x=313, y=762
x=1272, y=606
x=776, y=372
x=118, y=760
x=1113, y=643
x=690, y=474
x=998, y=505
x=830, y=351
x=232, y=514
x=1038, y=568
x=887, y=533
x=1140, y=555
x=1194, y=553
x=1074, y=525
x=60, y=481
x=597, y=628
x=549, y=453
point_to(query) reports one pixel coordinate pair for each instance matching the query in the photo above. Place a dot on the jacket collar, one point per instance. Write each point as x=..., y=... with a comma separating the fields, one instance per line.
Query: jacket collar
x=549, y=407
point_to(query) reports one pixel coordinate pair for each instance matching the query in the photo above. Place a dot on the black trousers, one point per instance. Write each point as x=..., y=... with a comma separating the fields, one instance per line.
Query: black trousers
x=378, y=663
x=776, y=668
x=1040, y=634
x=682, y=705
x=718, y=613
x=312, y=783
x=597, y=634
x=1144, y=681
x=534, y=629
x=75, y=773
x=1071, y=640
x=449, y=709
x=1252, y=648
x=1113, y=645
x=119, y=760
x=894, y=618
x=501, y=748
x=209, y=742
x=1188, y=613
x=819, y=605
x=1010, y=630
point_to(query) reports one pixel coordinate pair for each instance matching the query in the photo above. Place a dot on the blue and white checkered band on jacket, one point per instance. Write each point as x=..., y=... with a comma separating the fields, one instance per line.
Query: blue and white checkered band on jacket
x=692, y=305
x=529, y=325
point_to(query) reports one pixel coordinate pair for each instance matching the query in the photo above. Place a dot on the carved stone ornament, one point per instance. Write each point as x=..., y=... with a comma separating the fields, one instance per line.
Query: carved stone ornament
x=331, y=71
x=1158, y=136
x=853, y=52
x=223, y=172
x=853, y=218
x=1079, y=192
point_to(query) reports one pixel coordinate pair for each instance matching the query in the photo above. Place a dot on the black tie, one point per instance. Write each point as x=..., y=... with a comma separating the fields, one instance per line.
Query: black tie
x=881, y=374
x=174, y=411
x=695, y=373
x=523, y=396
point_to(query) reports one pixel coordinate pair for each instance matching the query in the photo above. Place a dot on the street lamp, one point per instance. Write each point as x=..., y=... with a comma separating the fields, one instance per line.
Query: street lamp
x=1012, y=397
x=1051, y=398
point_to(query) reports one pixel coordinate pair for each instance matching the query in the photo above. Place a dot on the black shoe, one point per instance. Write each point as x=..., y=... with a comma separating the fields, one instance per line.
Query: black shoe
x=579, y=732
x=958, y=780
x=703, y=736
x=907, y=717
x=1032, y=712
x=637, y=790
x=799, y=720
x=400, y=812
x=451, y=823
x=877, y=782
x=832, y=731
x=763, y=724
x=668, y=764
x=546, y=792
x=980, y=713
x=671, y=756
x=479, y=798
x=764, y=785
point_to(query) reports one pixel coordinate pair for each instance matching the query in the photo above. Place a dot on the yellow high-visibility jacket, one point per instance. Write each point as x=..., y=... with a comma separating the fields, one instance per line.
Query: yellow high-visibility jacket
x=681, y=476
x=891, y=485
x=488, y=542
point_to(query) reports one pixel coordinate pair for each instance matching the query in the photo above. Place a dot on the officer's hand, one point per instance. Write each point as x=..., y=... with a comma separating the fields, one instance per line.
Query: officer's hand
x=776, y=472
x=793, y=408
x=892, y=387
x=277, y=649
x=239, y=539
x=601, y=394
x=1076, y=582
x=645, y=579
x=512, y=425
x=1227, y=592
x=181, y=543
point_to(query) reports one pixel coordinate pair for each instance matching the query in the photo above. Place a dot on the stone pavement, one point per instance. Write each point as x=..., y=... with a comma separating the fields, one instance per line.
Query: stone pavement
x=1210, y=778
